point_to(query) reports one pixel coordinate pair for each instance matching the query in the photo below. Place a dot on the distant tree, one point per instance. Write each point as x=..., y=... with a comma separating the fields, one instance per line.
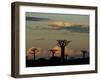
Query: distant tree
x=84, y=53
x=34, y=52
x=62, y=44
x=66, y=57
x=53, y=51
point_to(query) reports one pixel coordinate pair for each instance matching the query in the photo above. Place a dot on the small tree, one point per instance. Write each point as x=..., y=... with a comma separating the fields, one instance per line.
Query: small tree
x=34, y=52
x=62, y=44
x=66, y=56
x=84, y=53
x=53, y=51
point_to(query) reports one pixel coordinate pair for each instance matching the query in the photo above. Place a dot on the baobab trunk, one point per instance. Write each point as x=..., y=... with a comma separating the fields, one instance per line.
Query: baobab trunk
x=52, y=54
x=62, y=53
x=34, y=56
x=84, y=55
x=62, y=44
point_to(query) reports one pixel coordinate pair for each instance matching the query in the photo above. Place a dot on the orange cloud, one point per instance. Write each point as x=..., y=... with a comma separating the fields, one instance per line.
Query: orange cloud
x=58, y=24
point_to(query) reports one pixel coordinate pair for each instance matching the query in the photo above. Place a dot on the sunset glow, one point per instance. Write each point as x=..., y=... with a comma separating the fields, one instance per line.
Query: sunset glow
x=62, y=24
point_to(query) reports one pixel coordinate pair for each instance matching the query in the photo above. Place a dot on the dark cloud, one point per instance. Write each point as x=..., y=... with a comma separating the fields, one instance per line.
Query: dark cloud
x=36, y=19
x=76, y=29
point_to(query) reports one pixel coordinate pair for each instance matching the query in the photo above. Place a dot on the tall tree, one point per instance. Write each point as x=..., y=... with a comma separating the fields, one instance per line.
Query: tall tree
x=62, y=44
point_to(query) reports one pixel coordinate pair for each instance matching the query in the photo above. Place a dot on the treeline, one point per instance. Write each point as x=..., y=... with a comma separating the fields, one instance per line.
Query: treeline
x=63, y=60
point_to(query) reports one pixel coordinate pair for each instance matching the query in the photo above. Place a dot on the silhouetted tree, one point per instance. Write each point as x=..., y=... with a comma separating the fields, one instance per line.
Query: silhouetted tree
x=62, y=44
x=34, y=52
x=53, y=51
x=84, y=53
x=66, y=57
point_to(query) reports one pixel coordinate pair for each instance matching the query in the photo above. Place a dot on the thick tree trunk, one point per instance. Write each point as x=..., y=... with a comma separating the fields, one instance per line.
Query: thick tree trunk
x=34, y=56
x=83, y=55
x=66, y=57
x=62, y=53
x=52, y=54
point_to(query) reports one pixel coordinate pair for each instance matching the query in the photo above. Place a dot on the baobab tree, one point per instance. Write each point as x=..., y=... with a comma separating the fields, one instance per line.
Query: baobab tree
x=53, y=51
x=34, y=52
x=66, y=56
x=62, y=44
x=84, y=53
x=31, y=53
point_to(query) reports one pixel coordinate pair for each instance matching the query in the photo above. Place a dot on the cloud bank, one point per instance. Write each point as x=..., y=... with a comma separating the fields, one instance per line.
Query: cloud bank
x=70, y=26
x=36, y=19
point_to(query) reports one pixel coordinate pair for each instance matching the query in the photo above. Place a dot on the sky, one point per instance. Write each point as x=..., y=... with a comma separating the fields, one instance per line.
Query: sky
x=44, y=29
x=83, y=19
